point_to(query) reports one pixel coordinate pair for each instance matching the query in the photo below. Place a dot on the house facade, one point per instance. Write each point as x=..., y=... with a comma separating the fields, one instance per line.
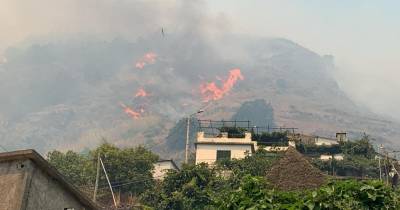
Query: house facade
x=212, y=149
x=219, y=147
x=29, y=182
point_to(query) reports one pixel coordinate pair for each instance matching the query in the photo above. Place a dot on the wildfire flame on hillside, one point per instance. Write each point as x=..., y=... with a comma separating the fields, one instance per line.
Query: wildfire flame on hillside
x=131, y=112
x=148, y=58
x=141, y=93
x=210, y=91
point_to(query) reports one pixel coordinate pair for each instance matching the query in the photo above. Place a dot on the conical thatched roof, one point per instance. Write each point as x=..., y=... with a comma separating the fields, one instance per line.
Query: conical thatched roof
x=294, y=172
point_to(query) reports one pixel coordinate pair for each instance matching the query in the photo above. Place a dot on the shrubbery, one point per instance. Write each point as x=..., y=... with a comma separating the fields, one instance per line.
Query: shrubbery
x=359, y=158
x=253, y=193
x=246, y=187
x=198, y=187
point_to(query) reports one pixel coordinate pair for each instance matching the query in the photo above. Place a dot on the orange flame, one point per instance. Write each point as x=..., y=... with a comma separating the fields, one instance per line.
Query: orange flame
x=210, y=91
x=148, y=58
x=141, y=93
x=130, y=111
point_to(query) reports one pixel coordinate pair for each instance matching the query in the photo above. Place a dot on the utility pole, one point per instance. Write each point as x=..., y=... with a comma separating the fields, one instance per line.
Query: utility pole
x=379, y=162
x=187, y=135
x=387, y=167
x=109, y=183
x=97, y=178
x=187, y=140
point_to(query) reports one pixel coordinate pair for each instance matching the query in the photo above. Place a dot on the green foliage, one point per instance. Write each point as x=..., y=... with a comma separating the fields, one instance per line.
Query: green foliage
x=122, y=165
x=185, y=189
x=77, y=168
x=255, y=164
x=359, y=158
x=353, y=195
x=273, y=138
x=361, y=147
x=354, y=165
x=245, y=187
x=127, y=165
x=253, y=193
x=233, y=132
x=310, y=149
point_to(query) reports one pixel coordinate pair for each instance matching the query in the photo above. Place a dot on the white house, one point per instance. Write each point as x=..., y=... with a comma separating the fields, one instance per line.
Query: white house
x=340, y=137
x=211, y=149
x=161, y=168
x=329, y=157
x=320, y=141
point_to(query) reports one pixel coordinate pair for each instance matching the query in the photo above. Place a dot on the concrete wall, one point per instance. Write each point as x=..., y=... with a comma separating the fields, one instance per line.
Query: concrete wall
x=47, y=194
x=208, y=153
x=13, y=179
x=223, y=138
x=275, y=148
x=338, y=157
x=325, y=141
x=24, y=186
x=161, y=168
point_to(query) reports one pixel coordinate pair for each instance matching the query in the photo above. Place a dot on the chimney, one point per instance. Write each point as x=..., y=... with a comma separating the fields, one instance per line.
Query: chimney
x=341, y=136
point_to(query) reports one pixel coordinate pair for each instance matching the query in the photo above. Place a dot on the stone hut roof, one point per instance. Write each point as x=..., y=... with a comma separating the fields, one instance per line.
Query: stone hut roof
x=294, y=172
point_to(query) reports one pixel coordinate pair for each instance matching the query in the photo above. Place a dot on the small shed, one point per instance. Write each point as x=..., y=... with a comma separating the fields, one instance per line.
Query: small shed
x=161, y=168
x=29, y=182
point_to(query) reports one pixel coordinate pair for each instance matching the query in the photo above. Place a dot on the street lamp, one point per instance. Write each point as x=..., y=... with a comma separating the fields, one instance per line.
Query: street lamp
x=187, y=134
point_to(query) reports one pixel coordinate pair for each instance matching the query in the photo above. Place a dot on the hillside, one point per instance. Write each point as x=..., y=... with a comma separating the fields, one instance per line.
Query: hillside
x=74, y=93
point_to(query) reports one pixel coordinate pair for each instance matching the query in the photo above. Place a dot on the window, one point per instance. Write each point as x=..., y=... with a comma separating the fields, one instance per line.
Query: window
x=223, y=155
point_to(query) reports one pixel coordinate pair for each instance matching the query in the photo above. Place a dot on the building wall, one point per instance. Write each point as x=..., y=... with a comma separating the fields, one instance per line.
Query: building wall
x=208, y=153
x=275, y=148
x=13, y=179
x=161, y=168
x=338, y=157
x=45, y=193
x=223, y=138
x=325, y=141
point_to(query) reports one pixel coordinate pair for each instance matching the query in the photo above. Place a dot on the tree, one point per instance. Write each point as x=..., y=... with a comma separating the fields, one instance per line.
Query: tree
x=75, y=167
x=255, y=164
x=188, y=188
x=359, y=158
x=129, y=169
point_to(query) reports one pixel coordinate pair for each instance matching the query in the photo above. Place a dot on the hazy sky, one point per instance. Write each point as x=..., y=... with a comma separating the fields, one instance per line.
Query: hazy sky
x=361, y=34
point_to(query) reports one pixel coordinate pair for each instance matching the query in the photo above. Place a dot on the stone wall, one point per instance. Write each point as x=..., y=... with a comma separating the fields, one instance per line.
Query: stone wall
x=13, y=177
x=45, y=193
x=25, y=186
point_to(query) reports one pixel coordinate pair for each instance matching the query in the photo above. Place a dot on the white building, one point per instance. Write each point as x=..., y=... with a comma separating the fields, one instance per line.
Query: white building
x=161, y=168
x=320, y=141
x=211, y=149
x=340, y=137
x=329, y=157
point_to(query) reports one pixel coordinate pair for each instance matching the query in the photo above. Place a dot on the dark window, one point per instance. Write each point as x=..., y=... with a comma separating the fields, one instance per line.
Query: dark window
x=223, y=155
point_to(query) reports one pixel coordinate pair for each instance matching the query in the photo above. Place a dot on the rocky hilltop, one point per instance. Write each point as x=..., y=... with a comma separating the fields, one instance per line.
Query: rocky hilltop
x=74, y=94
